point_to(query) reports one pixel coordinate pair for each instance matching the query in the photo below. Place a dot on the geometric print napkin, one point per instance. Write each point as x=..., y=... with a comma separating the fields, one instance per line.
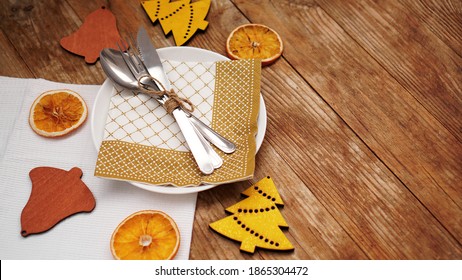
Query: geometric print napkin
x=143, y=143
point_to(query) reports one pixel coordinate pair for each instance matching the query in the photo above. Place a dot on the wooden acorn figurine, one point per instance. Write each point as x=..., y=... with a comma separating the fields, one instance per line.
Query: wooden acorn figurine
x=56, y=194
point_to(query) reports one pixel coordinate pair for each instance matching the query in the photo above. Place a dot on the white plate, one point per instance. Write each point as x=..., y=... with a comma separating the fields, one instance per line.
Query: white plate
x=103, y=99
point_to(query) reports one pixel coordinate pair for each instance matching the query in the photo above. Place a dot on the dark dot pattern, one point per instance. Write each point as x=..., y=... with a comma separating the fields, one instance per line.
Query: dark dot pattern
x=191, y=17
x=171, y=14
x=269, y=197
x=256, y=234
x=254, y=211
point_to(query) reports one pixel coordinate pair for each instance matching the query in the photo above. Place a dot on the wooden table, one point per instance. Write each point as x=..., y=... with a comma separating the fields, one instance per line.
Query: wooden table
x=364, y=117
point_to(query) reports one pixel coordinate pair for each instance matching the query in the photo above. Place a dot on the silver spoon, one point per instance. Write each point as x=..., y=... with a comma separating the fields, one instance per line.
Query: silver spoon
x=116, y=69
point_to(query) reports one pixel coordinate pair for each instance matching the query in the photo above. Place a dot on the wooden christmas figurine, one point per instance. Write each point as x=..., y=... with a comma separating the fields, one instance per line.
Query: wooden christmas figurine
x=181, y=17
x=256, y=220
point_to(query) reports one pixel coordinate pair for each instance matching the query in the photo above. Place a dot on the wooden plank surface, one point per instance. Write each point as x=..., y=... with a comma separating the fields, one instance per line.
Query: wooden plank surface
x=35, y=28
x=364, y=117
x=400, y=131
x=409, y=51
x=443, y=18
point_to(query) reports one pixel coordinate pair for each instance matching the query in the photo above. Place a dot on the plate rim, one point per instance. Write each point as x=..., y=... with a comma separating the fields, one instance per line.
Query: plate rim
x=166, y=53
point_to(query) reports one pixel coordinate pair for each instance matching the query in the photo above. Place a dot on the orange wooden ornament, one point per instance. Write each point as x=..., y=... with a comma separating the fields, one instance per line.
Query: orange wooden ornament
x=98, y=31
x=56, y=194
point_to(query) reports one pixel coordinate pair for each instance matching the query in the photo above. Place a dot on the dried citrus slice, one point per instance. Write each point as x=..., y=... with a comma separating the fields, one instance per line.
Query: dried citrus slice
x=57, y=112
x=146, y=235
x=254, y=41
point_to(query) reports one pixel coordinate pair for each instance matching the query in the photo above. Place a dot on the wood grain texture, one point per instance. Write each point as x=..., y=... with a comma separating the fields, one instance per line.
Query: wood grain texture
x=423, y=154
x=359, y=190
x=324, y=237
x=413, y=55
x=364, y=117
x=11, y=62
x=442, y=17
x=35, y=35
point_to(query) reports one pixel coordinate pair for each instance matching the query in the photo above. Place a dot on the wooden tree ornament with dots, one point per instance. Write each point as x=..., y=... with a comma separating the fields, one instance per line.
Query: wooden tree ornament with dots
x=180, y=17
x=256, y=220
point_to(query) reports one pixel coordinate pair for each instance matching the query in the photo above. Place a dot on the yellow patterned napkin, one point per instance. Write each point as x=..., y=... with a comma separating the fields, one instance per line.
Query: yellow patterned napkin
x=143, y=143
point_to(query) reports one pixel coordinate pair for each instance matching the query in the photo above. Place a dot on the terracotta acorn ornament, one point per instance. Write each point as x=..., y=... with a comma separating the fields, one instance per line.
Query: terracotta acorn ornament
x=56, y=194
x=98, y=31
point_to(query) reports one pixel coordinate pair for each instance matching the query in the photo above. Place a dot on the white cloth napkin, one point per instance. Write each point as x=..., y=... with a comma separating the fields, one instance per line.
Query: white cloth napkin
x=84, y=235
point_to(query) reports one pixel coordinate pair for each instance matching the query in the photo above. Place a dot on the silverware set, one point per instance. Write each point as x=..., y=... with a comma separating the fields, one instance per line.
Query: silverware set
x=138, y=67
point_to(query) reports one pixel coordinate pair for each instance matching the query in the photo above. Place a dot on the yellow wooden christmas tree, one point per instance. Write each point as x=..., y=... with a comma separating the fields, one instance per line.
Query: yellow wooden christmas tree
x=180, y=17
x=256, y=220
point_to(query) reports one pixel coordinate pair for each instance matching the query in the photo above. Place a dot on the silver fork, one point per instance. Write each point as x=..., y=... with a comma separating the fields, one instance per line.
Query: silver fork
x=205, y=156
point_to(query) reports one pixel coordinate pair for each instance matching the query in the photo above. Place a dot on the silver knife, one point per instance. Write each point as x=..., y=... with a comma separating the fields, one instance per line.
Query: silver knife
x=152, y=61
x=203, y=153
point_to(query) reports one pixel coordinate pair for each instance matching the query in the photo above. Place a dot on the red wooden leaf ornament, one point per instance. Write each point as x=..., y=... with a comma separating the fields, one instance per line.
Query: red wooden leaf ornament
x=98, y=31
x=56, y=194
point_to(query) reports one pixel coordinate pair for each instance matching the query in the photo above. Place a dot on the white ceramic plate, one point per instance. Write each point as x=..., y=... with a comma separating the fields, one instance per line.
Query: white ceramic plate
x=103, y=98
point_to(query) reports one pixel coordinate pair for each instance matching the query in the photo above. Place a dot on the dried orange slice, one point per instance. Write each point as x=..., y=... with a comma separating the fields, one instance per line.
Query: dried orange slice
x=254, y=41
x=146, y=235
x=57, y=112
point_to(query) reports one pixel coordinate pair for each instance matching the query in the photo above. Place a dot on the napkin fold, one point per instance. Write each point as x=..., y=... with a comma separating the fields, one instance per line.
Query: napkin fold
x=84, y=235
x=143, y=143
